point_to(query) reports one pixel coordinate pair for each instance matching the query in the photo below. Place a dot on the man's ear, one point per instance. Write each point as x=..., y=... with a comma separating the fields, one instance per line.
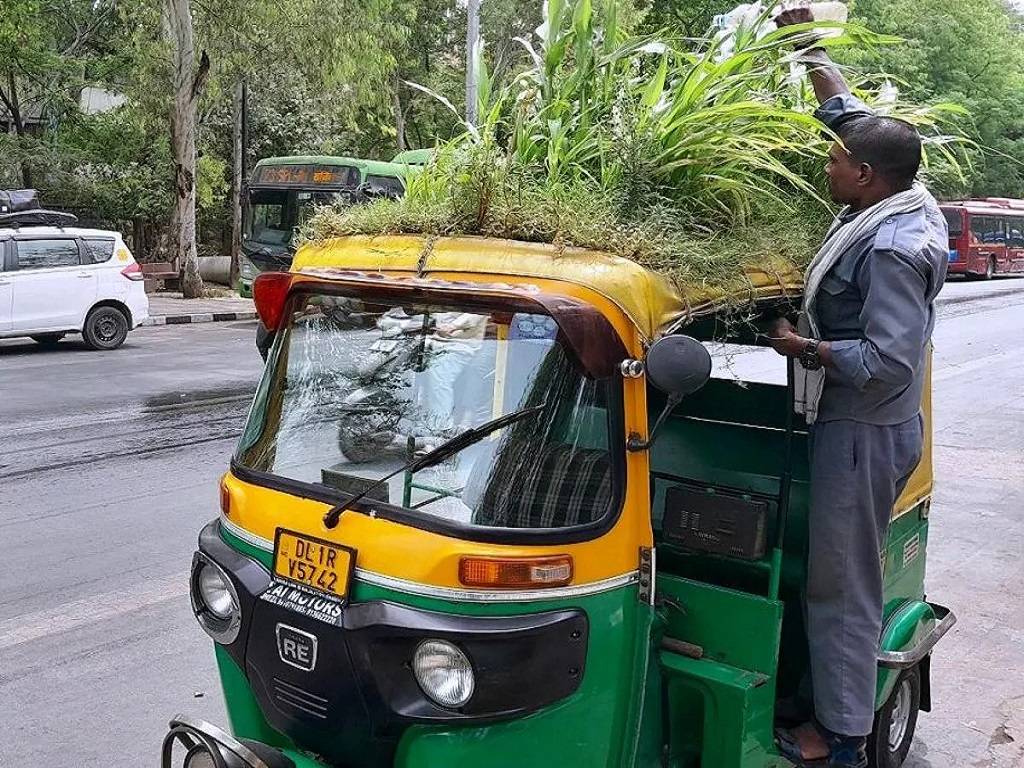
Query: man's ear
x=865, y=175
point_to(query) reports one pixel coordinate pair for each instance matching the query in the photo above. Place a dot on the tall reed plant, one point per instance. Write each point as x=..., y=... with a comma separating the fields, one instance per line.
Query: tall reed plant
x=694, y=157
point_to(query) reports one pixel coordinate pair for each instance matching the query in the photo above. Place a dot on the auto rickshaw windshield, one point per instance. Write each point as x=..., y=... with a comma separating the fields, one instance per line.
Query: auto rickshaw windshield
x=353, y=391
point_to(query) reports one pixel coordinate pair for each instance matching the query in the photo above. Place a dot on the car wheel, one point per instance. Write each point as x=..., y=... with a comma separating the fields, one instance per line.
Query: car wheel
x=47, y=339
x=890, y=739
x=105, y=328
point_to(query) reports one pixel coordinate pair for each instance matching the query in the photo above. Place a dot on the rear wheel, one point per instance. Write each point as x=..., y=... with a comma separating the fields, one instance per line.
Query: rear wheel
x=889, y=742
x=105, y=328
x=47, y=339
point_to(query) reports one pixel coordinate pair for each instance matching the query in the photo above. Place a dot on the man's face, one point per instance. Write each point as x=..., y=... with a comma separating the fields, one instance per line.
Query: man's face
x=846, y=176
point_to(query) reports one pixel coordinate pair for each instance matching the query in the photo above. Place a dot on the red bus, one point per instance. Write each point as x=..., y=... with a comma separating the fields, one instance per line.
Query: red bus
x=986, y=237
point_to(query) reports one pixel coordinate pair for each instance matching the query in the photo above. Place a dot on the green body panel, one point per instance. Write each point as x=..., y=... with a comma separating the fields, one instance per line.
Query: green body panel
x=721, y=706
x=731, y=438
x=901, y=631
x=593, y=727
x=904, y=564
x=309, y=160
x=243, y=711
x=907, y=617
x=733, y=708
x=414, y=156
x=734, y=628
x=302, y=761
x=597, y=725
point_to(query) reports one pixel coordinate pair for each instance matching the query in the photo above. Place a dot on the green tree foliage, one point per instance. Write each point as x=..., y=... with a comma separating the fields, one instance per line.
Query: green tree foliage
x=967, y=51
x=49, y=51
x=688, y=18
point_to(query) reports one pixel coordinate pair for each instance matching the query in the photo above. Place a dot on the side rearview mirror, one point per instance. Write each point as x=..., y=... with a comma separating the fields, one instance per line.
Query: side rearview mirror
x=678, y=366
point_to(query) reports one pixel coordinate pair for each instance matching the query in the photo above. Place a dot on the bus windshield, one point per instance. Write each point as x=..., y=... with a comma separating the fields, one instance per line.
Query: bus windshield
x=954, y=219
x=273, y=215
x=269, y=221
x=353, y=391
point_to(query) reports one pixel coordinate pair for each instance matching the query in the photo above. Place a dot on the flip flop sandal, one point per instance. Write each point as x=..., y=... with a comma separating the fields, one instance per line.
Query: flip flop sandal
x=790, y=749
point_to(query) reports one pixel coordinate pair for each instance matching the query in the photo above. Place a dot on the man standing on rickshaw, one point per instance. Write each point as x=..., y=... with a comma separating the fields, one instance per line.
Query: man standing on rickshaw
x=861, y=344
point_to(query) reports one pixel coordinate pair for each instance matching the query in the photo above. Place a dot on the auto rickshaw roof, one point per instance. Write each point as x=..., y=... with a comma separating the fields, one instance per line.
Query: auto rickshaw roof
x=652, y=302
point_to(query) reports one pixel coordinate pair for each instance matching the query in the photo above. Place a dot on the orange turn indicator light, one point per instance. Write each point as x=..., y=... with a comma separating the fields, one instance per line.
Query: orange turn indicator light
x=515, y=572
x=225, y=498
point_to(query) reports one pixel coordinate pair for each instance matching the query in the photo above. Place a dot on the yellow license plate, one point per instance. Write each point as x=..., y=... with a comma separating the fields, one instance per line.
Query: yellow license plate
x=321, y=565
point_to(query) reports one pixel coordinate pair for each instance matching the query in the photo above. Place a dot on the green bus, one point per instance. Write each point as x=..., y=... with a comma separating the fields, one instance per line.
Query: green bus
x=283, y=191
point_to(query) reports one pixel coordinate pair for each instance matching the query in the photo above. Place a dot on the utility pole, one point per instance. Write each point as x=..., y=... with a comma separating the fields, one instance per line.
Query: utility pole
x=472, y=36
x=245, y=130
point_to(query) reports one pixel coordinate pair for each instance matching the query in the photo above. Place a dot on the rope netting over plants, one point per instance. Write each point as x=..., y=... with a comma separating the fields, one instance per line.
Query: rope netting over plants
x=694, y=158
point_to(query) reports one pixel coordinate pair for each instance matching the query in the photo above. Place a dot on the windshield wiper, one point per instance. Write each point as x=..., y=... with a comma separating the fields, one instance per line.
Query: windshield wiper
x=436, y=456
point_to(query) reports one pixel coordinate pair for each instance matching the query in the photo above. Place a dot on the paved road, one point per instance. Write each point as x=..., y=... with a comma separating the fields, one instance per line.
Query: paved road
x=976, y=546
x=109, y=466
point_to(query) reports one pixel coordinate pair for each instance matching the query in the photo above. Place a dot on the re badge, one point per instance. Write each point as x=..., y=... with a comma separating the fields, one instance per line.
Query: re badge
x=296, y=648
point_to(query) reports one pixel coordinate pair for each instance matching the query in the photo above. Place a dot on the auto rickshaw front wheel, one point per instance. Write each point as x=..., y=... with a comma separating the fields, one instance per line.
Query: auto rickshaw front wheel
x=890, y=739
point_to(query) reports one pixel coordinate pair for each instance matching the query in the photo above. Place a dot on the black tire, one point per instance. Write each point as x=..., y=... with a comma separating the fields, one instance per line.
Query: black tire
x=105, y=328
x=890, y=739
x=47, y=339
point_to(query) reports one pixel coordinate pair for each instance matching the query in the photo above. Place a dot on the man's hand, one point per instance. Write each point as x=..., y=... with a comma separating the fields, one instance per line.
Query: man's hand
x=784, y=338
x=787, y=342
x=825, y=77
x=793, y=14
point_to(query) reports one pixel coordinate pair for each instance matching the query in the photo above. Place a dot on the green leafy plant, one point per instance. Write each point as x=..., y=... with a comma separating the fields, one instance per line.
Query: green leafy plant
x=693, y=157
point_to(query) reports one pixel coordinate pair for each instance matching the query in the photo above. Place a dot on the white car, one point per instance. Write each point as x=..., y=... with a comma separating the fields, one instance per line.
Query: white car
x=60, y=280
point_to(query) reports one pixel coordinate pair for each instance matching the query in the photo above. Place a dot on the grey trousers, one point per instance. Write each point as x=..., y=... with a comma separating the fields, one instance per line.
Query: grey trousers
x=857, y=472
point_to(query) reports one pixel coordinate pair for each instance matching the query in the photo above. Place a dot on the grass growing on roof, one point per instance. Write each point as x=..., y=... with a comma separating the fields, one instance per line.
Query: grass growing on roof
x=692, y=158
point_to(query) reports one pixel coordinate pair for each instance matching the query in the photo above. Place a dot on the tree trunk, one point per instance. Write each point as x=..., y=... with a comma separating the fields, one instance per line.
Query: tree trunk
x=237, y=172
x=138, y=238
x=396, y=103
x=472, y=38
x=188, y=80
x=13, y=105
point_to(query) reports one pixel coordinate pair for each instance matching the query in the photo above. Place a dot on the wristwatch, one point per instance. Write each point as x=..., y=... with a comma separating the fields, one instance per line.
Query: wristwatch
x=809, y=357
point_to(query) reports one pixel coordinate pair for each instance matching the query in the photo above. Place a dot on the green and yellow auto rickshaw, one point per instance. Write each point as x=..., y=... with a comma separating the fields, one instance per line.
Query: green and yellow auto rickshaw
x=495, y=506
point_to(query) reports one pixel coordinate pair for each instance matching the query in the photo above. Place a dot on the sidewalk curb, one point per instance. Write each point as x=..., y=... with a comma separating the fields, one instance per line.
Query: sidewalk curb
x=201, y=317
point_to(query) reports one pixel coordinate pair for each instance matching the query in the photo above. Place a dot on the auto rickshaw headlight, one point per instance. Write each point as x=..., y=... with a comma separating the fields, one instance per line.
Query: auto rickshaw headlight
x=444, y=673
x=215, y=593
x=214, y=600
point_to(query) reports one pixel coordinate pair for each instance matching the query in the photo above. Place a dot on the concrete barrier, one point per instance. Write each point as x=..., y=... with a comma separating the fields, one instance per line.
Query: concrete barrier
x=215, y=269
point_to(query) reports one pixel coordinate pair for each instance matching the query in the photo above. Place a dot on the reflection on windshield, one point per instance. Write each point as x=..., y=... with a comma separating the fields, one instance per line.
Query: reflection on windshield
x=353, y=392
x=268, y=220
x=308, y=202
x=273, y=215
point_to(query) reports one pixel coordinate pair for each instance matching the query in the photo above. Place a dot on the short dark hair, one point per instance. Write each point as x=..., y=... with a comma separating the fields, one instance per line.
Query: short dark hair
x=891, y=147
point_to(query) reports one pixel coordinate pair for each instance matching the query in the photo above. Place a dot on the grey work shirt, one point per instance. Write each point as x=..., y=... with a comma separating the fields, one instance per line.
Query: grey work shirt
x=876, y=308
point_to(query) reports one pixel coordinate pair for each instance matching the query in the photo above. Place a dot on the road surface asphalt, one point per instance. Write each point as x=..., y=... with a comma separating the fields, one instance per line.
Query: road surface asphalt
x=109, y=465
